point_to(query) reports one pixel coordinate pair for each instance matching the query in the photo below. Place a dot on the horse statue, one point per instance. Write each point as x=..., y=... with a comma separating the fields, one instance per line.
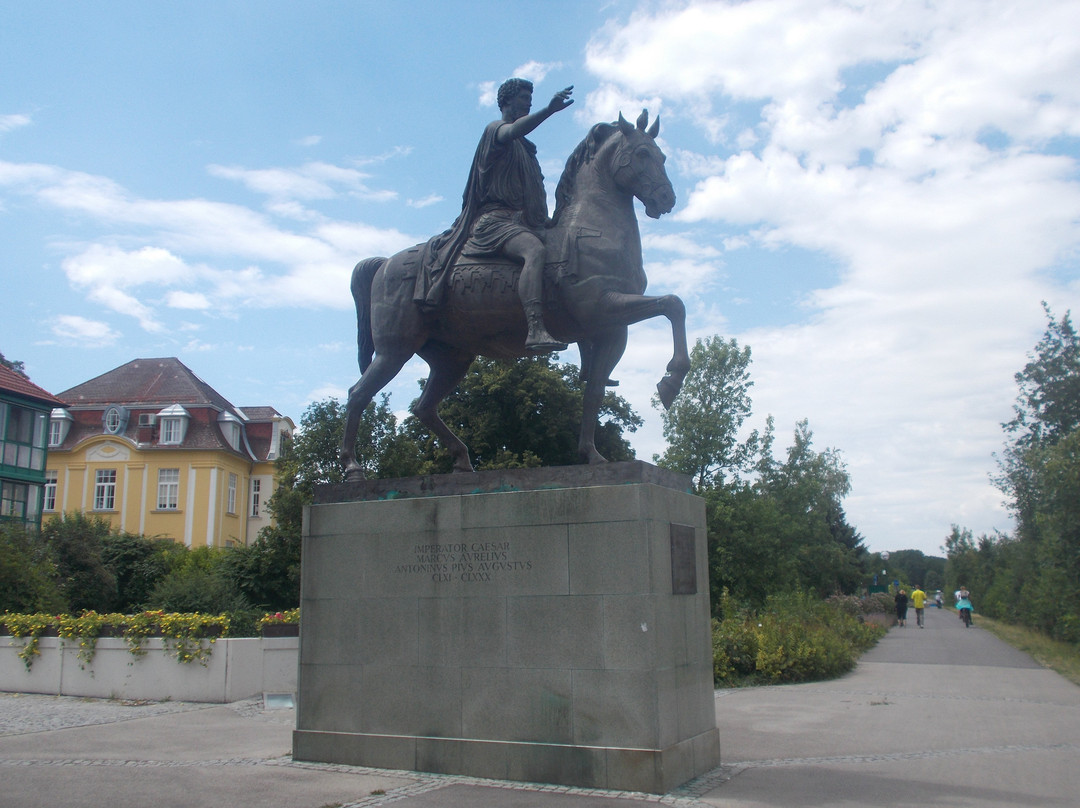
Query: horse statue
x=594, y=286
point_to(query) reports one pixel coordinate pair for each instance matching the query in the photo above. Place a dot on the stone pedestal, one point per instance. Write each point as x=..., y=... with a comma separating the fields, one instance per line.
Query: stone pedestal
x=556, y=635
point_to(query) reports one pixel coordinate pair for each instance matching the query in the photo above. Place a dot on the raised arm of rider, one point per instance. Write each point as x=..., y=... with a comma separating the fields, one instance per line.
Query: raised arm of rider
x=526, y=123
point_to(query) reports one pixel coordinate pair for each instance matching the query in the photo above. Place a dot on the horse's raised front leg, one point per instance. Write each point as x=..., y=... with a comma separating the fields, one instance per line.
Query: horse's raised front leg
x=380, y=373
x=617, y=307
x=448, y=367
x=605, y=352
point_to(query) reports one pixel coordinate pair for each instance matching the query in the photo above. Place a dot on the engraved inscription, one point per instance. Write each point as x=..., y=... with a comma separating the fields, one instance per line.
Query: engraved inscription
x=683, y=561
x=465, y=562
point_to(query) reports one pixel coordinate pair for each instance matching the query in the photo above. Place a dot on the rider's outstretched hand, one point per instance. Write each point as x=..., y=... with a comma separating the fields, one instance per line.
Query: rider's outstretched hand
x=561, y=100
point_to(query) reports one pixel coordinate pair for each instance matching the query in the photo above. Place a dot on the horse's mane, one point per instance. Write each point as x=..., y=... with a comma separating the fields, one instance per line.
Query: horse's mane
x=578, y=159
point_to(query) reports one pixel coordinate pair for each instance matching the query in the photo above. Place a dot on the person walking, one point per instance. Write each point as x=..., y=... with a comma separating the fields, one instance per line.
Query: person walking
x=918, y=600
x=901, y=600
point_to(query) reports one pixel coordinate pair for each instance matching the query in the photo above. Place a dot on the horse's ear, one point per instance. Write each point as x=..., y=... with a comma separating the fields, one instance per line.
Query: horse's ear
x=654, y=130
x=643, y=120
x=624, y=126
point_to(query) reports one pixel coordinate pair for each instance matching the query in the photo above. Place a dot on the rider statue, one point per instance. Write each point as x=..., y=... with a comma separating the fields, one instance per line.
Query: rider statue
x=503, y=210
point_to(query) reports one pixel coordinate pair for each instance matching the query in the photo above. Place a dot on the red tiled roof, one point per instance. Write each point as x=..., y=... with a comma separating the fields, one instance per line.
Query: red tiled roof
x=149, y=385
x=12, y=382
x=260, y=413
x=151, y=382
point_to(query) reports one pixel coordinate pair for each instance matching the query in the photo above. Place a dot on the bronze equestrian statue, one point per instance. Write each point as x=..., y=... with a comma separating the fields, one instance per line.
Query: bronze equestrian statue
x=592, y=289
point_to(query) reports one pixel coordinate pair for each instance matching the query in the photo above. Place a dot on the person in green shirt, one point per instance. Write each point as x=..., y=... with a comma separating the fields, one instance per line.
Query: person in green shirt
x=918, y=600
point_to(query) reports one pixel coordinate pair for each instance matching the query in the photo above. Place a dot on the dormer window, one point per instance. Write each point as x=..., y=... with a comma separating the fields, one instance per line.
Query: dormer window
x=115, y=420
x=173, y=424
x=59, y=425
x=230, y=429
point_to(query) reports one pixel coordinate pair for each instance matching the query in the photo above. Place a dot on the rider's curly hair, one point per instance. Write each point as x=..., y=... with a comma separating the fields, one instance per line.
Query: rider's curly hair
x=510, y=88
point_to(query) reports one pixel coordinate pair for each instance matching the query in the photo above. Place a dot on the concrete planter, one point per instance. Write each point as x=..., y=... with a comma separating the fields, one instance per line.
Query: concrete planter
x=237, y=669
x=281, y=630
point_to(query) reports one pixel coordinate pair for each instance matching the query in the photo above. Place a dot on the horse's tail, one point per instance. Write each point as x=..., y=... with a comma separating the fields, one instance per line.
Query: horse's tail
x=360, y=285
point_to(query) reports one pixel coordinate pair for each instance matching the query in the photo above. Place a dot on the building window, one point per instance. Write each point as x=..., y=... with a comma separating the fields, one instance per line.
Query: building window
x=59, y=426
x=256, y=491
x=232, y=494
x=13, y=500
x=174, y=424
x=170, y=430
x=50, y=490
x=22, y=437
x=105, y=490
x=116, y=419
x=168, y=489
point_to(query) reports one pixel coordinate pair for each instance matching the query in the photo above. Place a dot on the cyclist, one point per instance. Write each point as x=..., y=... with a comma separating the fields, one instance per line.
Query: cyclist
x=964, y=607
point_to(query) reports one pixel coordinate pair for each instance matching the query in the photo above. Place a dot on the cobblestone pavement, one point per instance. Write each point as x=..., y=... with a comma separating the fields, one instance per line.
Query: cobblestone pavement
x=942, y=716
x=28, y=714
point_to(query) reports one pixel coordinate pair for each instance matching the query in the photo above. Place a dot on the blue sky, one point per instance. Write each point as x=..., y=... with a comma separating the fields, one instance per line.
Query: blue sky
x=874, y=197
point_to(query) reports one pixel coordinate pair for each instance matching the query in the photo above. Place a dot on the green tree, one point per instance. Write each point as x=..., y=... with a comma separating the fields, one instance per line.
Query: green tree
x=1048, y=405
x=1035, y=575
x=809, y=488
x=13, y=364
x=76, y=542
x=915, y=567
x=197, y=582
x=522, y=414
x=267, y=572
x=702, y=426
x=137, y=564
x=311, y=457
x=27, y=572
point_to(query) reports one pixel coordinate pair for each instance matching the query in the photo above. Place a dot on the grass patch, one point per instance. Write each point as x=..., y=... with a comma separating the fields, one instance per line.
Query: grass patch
x=1057, y=655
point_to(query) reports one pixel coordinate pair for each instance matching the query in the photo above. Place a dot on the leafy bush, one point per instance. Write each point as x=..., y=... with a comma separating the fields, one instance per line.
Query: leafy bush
x=794, y=638
x=192, y=589
x=878, y=603
x=27, y=572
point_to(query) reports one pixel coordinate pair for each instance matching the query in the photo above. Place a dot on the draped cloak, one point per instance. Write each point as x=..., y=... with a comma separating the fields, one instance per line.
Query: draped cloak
x=504, y=196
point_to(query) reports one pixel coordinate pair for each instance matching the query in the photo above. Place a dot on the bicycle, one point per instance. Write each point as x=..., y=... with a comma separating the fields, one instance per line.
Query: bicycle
x=965, y=615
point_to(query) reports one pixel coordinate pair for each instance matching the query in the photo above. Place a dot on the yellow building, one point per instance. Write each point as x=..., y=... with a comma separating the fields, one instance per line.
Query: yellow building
x=157, y=451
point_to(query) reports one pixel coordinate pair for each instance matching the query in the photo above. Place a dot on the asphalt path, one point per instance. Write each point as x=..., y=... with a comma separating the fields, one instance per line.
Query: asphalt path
x=940, y=716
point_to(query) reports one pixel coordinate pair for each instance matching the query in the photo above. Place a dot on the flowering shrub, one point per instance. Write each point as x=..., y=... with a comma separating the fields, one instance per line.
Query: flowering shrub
x=794, y=638
x=188, y=637
x=878, y=603
x=289, y=616
x=30, y=627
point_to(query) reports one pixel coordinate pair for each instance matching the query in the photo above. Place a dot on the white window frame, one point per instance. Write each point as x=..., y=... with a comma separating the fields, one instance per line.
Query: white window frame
x=171, y=431
x=231, y=508
x=168, y=497
x=256, y=495
x=51, y=477
x=105, y=490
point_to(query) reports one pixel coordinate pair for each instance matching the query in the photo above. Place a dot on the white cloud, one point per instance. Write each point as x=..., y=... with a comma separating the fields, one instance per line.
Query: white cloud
x=535, y=71
x=198, y=253
x=9, y=123
x=940, y=238
x=75, y=330
x=310, y=181
x=187, y=300
x=425, y=202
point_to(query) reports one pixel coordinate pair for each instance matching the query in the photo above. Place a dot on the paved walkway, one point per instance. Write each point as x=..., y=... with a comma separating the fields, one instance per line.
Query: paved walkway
x=940, y=716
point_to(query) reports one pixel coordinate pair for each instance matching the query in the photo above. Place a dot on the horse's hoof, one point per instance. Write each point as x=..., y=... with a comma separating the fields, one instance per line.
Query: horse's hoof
x=543, y=347
x=354, y=476
x=667, y=389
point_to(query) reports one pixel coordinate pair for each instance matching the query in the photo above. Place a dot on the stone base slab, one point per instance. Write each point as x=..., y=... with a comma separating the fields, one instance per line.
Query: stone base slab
x=542, y=634
x=642, y=770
